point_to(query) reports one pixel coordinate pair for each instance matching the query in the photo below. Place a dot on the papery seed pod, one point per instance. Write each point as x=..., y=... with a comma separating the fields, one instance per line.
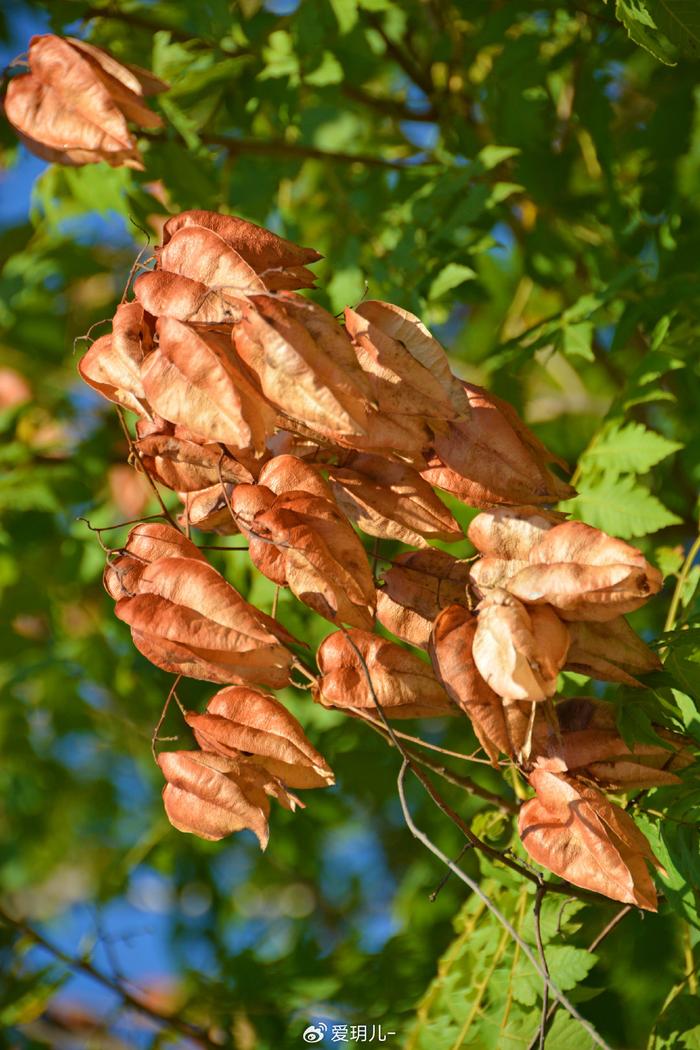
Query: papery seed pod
x=511, y=532
x=187, y=619
x=519, y=650
x=304, y=363
x=193, y=379
x=73, y=105
x=585, y=574
x=279, y=263
x=487, y=461
x=305, y=543
x=500, y=726
x=356, y=666
x=612, y=651
x=213, y=796
x=414, y=590
x=112, y=365
x=588, y=744
x=573, y=830
x=391, y=501
x=411, y=374
x=251, y=726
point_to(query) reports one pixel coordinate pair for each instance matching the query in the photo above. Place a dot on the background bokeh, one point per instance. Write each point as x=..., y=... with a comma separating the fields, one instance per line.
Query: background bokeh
x=527, y=179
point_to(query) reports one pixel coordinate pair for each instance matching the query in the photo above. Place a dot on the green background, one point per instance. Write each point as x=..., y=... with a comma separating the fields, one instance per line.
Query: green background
x=526, y=177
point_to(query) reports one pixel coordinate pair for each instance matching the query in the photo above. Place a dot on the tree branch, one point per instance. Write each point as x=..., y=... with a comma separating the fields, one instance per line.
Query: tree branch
x=539, y=897
x=447, y=774
x=540, y=1034
x=131, y=18
x=495, y=911
x=391, y=107
x=281, y=148
x=172, y=1021
x=403, y=60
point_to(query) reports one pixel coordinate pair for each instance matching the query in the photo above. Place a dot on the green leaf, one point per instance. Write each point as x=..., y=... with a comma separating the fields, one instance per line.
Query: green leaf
x=680, y=21
x=627, y=448
x=280, y=58
x=685, y=671
x=669, y=559
x=450, y=277
x=621, y=507
x=641, y=27
x=345, y=12
x=329, y=71
x=491, y=156
x=576, y=340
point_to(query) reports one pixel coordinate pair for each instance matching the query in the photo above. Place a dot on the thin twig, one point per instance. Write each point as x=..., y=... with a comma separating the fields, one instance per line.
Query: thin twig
x=432, y=897
x=435, y=747
x=447, y=774
x=133, y=449
x=166, y=705
x=597, y=940
x=539, y=897
x=489, y=851
x=495, y=911
x=299, y=151
x=609, y=927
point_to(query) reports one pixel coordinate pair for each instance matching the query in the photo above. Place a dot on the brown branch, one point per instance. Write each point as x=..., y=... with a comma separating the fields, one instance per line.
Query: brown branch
x=494, y=854
x=172, y=1021
x=297, y=150
x=403, y=60
x=135, y=452
x=390, y=107
x=155, y=738
x=130, y=18
x=447, y=774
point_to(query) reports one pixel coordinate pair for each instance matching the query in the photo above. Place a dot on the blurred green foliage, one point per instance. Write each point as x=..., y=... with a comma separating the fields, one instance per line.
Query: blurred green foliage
x=526, y=178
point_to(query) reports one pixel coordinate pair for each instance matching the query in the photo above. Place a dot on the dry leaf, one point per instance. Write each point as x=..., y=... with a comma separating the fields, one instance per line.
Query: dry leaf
x=486, y=461
x=586, y=574
x=112, y=365
x=187, y=619
x=279, y=263
x=417, y=586
x=391, y=500
x=240, y=721
x=212, y=796
x=612, y=651
x=305, y=364
x=500, y=727
x=519, y=650
x=73, y=106
x=403, y=684
x=573, y=830
x=193, y=379
x=306, y=542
